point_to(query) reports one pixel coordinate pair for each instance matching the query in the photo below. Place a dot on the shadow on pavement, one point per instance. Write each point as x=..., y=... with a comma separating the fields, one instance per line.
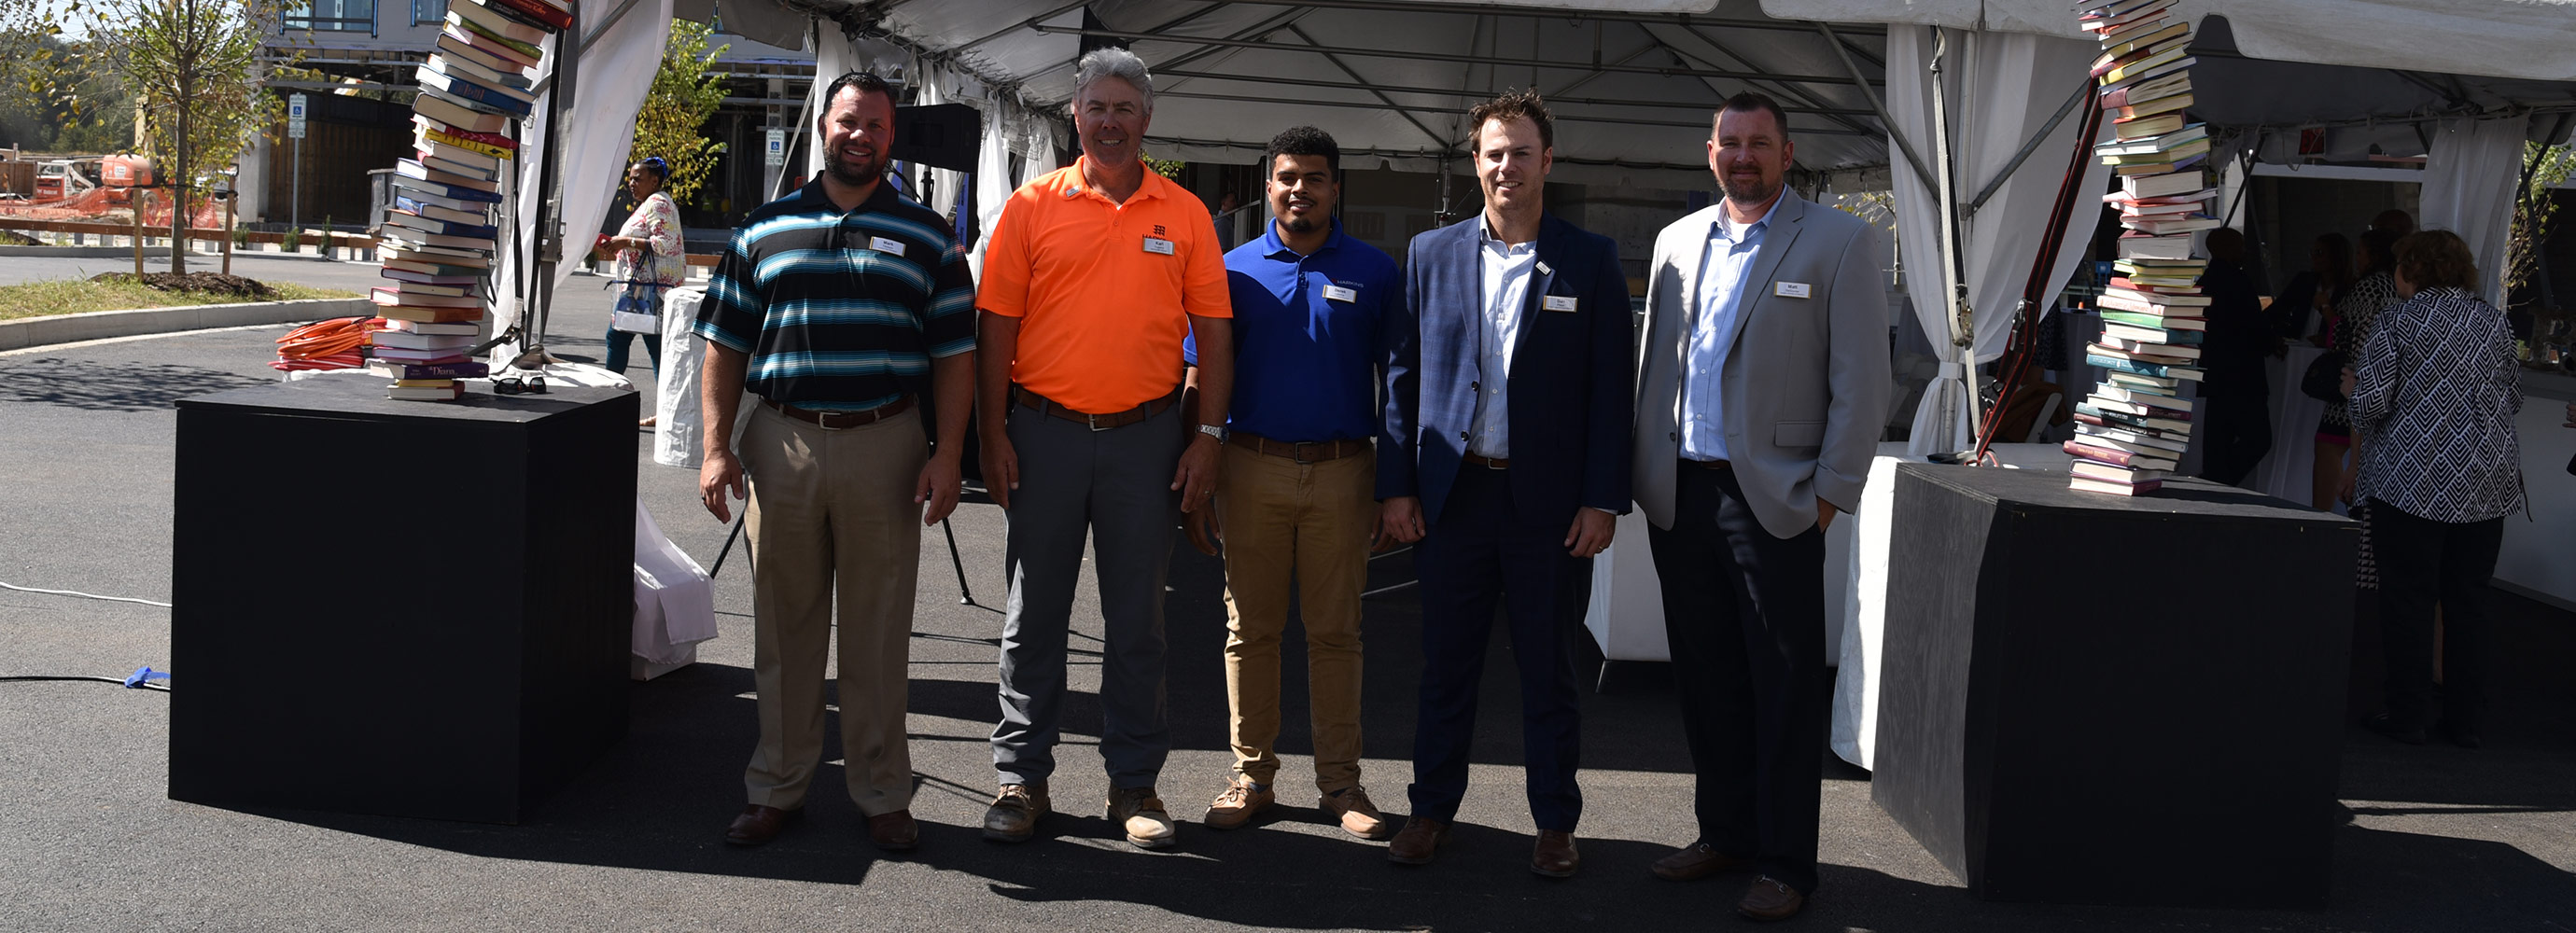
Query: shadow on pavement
x=131, y=387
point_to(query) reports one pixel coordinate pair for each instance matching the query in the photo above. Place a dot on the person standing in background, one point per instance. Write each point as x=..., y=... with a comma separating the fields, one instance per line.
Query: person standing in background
x=2235, y=418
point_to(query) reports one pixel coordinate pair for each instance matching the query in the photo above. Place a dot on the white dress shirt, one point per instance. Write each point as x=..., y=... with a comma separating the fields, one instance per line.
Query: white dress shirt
x=1507, y=271
x=1721, y=297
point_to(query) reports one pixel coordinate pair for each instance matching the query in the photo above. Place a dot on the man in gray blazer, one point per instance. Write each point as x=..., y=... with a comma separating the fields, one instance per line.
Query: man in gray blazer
x=1762, y=381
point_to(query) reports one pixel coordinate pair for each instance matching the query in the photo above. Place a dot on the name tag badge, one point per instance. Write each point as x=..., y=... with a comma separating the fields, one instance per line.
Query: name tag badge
x=1558, y=303
x=885, y=245
x=1789, y=289
x=1157, y=245
x=1341, y=293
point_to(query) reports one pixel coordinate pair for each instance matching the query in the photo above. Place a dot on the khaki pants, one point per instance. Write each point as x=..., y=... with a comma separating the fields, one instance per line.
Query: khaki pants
x=1310, y=522
x=831, y=519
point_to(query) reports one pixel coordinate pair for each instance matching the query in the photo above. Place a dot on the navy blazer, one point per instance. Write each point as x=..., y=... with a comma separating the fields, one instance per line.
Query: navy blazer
x=1571, y=379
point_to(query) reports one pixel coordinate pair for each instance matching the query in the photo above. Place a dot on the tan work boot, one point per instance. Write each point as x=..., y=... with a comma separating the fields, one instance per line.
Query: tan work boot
x=1139, y=812
x=1014, y=814
x=1358, y=816
x=1234, y=808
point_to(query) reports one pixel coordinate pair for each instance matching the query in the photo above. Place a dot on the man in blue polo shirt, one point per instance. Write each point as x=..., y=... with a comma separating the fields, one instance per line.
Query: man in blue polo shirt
x=1296, y=496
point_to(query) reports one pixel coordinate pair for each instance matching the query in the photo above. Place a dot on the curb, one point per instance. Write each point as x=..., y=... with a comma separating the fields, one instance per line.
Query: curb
x=100, y=325
x=77, y=252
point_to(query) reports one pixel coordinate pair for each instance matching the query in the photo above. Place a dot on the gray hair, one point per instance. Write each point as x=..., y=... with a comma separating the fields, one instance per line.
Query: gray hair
x=1113, y=62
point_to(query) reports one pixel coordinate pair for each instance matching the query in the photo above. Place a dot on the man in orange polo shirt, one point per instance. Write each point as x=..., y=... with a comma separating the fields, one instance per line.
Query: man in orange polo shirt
x=1093, y=276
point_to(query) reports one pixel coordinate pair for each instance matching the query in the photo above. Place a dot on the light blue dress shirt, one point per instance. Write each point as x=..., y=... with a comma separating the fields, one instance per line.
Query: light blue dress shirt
x=1506, y=278
x=1721, y=297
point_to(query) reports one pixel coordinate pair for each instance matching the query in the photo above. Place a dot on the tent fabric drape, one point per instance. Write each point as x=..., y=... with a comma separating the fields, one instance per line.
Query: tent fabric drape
x=834, y=55
x=2012, y=85
x=2469, y=178
x=608, y=93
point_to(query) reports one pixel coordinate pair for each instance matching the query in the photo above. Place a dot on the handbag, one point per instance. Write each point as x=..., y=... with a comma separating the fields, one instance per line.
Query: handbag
x=634, y=323
x=2324, y=379
x=646, y=316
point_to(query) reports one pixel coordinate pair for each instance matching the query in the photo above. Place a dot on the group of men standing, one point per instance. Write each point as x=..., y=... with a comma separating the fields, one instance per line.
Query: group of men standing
x=1301, y=399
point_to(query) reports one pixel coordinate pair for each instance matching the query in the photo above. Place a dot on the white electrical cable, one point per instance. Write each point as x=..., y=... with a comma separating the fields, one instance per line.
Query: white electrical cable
x=113, y=599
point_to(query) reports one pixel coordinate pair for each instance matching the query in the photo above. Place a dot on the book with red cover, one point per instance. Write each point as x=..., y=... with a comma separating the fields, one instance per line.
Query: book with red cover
x=416, y=327
x=428, y=315
x=456, y=368
x=2117, y=456
x=541, y=11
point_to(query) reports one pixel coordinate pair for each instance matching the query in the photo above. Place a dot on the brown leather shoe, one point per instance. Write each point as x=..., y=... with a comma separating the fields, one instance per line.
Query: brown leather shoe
x=1138, y=812
x=1554, y=856
x=1696, y=861
x=758, y=824
x=894, y=832
x=1771, y=900
x=1013, y=817
x=1235, y=808
x=1418, y=842
x=1357, y=815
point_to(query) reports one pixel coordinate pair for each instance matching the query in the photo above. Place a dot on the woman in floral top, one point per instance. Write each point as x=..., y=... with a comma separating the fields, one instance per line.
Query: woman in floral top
x=649, y=259
x=2434, y=391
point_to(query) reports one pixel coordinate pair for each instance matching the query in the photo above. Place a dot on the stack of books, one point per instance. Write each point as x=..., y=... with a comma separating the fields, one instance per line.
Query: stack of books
x=439, y=236
x=2131, y=431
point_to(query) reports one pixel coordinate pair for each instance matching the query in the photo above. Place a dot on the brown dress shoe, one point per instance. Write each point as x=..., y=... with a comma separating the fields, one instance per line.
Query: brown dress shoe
x=1234, y=809
x=758, y=824
x=1771, y=900
x=1139, y=812
x=1357, y=815
x=1419, y=840
x=894, y=832
x=1013, y=817
x=1554, y=856
x=1696, y=861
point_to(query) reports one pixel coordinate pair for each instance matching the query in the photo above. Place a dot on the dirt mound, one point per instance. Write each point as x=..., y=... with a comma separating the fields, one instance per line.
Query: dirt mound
x=203, y=282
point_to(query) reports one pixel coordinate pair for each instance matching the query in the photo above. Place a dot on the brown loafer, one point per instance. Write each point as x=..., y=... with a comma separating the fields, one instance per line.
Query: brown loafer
x=758, y=824
x=1350, y=807
x=1419, y=840
x=1696, y=861
x=894, y=832
x=1771, y=900
x=1554, y=855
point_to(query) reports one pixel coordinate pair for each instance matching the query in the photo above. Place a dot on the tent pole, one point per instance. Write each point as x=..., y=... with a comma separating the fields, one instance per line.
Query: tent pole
x=1902, y=144
x=1963, y=333
x=539, y=304
x=2083, y=92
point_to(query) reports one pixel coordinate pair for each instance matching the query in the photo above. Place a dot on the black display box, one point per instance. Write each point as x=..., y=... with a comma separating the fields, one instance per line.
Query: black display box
x=401, y=608
x=2087, y=698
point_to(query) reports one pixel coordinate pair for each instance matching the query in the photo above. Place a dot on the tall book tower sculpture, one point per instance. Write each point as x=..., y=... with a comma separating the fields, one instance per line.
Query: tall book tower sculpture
x=2132, y=430
x=439, y=236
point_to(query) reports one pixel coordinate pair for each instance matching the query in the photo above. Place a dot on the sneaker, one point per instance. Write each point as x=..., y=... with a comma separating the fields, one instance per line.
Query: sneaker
x=1358, y=816
x=1234, y=808
x=1140, y=813
x=1014, y=814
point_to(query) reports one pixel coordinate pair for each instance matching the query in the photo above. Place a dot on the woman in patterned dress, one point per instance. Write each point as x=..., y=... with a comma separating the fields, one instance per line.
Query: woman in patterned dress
x=649, y=260
x=2371, y=293
x=2433, y=393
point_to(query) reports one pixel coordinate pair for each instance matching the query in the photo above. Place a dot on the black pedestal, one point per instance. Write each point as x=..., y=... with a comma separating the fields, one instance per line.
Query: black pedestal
x=401, y=608
x=2093, y=699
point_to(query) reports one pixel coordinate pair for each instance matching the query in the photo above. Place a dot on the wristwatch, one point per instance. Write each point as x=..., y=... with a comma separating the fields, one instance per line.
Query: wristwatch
x=1213, y=430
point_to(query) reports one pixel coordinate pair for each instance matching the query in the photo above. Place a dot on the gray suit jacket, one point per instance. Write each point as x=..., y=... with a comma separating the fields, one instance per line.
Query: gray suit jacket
x=1806, y=380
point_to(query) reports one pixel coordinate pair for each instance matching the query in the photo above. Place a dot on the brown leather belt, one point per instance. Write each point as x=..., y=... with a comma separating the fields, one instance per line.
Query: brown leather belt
x=840, y=420
x=1308, y=452
x=1490, y=463
x=1102, y=422
x=1708, y=464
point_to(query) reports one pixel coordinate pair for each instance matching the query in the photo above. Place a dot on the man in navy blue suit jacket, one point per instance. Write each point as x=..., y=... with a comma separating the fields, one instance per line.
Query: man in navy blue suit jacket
x=1505, y=454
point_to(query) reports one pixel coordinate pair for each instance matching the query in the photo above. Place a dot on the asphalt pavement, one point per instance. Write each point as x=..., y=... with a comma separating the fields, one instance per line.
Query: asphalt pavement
x=2438, y=838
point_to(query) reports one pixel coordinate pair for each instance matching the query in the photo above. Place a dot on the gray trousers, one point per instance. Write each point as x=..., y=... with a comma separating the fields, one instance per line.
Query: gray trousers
x=1116, y=485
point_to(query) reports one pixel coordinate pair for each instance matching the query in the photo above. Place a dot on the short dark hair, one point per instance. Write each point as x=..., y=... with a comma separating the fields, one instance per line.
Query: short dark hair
x=2380, y=245
x=1748, y=102
x=2225, y=245
x=866, y=81
x=1301, y=141
x=2436, y=258
x=1514, y=105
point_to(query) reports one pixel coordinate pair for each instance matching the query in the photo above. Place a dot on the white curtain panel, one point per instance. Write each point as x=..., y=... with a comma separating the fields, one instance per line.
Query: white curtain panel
x=2468, y=189
x=2003, y=88
x=834, y=55
x=608, y=92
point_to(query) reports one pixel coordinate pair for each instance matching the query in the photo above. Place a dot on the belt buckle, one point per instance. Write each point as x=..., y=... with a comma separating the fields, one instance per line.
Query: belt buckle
x=1297, y=452
x=1093, y=421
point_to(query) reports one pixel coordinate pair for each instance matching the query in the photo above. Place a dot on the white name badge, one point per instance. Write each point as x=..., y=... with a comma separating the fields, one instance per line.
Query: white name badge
x=884, y=245
x=1558, y=303
x=1340, y=293
x=1789, y=289
x=1153, y=245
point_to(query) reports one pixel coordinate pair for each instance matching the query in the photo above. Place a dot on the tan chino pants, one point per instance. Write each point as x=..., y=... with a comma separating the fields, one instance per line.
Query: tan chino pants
x=1308, y=525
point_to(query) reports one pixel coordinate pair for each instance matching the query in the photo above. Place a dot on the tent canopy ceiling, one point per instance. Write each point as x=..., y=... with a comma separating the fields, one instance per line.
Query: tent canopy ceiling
x=1634, y=81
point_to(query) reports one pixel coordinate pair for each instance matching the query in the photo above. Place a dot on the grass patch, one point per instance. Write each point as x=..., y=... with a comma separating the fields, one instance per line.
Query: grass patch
x=74, y=296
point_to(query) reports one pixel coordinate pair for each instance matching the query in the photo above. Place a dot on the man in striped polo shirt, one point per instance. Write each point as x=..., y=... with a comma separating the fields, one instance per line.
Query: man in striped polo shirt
x=837, y=305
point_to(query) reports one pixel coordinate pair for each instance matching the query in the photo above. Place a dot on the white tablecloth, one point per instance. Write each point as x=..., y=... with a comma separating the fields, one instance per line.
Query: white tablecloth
x=2285, y=471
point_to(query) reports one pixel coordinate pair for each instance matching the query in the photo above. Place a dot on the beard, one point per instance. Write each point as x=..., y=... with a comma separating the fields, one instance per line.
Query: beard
x=1299, y=224
x=1754, y=191
x=857, y=173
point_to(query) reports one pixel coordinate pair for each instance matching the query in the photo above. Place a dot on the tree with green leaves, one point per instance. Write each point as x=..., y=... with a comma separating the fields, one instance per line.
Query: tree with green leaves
x=193, y=70
x=2544, y=168
x=686, y=91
